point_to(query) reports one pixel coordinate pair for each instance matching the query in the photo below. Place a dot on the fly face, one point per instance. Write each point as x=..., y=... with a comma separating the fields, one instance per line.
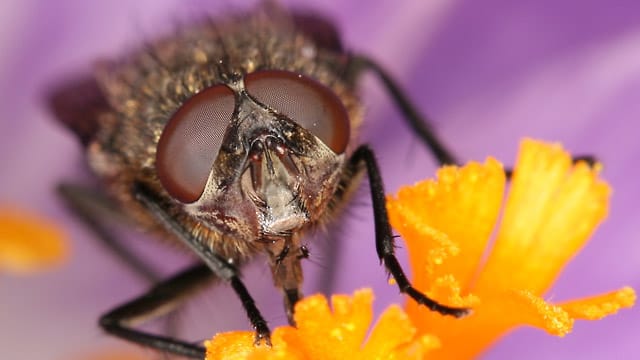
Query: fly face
x=257, y=158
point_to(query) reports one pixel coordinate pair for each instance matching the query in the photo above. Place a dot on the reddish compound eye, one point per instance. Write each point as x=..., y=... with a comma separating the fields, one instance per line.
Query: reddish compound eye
x=190, y=142
x=305, y=101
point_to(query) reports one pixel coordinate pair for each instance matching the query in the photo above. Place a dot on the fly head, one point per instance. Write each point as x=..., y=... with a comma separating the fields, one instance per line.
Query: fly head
x=258, y=158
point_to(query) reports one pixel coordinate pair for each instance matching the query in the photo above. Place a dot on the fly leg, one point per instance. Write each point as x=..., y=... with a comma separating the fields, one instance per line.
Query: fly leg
x=163, y=298
x=91, y=206
x=385, y=246
x=218, y=265
x=416, y=121
x=158, y=301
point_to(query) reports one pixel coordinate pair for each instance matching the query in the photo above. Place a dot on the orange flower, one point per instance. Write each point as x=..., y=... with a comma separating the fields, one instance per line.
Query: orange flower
x=29, y=242
x=323, y=334
x=552, y=208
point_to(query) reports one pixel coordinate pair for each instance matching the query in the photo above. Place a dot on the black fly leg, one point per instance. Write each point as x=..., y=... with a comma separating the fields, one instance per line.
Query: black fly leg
x=418, y=122
x=384, y=238
x=90, y=206
x=159, y=300
x=219, y=266
x=165, y=297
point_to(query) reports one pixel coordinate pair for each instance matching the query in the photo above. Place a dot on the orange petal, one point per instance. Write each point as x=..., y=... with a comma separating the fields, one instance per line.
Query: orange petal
x=497, y=313
x=447, y=223
x=29, y=242
x=599, y=306
x=321, y=333
x=333, y=335
x=552, y=209
x=240, y=345
x=528, y=309
x=395, y=335
x=235, y=345
x=506, y=310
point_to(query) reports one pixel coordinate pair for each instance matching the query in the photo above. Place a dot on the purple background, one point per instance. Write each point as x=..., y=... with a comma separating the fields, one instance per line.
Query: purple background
x=488, y=72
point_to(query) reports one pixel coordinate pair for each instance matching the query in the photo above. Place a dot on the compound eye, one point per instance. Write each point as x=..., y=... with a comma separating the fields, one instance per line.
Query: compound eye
x=191, y=140
x=305, y=101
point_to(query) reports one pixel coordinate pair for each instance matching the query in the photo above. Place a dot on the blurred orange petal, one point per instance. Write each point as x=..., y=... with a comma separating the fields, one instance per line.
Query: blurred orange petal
x=29, y=242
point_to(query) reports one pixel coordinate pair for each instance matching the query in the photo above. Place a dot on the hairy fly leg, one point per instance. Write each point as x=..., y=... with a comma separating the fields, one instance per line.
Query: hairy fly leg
x=156, y=302
x=90, y=206
x=385, y=246
x=416, y=121
x=219, y=266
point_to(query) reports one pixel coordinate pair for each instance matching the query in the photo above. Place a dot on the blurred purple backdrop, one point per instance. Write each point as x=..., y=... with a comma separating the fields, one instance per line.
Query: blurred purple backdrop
x=488, y=73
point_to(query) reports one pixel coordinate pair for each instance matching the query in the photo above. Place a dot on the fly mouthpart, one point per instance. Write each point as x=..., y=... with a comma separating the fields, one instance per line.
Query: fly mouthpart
x=272, y=180
x=281, y=168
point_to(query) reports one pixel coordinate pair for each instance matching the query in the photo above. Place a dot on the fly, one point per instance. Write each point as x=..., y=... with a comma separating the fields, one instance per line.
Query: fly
x=233, y=137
